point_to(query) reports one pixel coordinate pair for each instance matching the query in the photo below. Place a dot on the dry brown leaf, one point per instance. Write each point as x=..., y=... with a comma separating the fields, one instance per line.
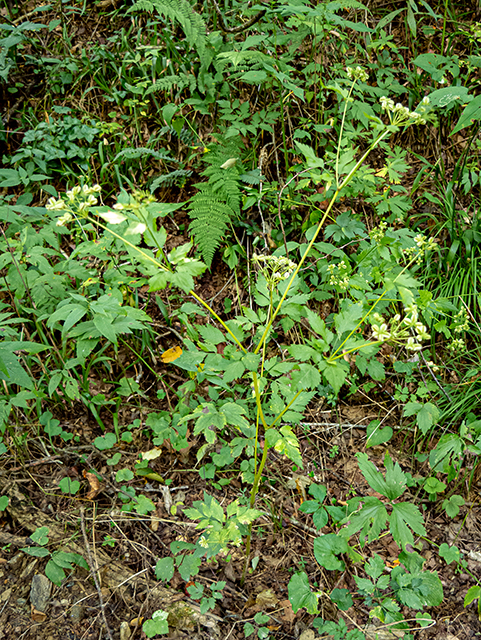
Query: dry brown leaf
x=94, y=485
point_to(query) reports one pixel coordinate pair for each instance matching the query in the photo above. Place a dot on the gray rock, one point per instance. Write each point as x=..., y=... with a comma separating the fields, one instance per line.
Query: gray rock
x=40, y=591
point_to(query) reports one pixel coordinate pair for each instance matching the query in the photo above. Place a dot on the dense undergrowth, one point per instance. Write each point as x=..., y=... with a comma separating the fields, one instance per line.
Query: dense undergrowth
x=324, y=160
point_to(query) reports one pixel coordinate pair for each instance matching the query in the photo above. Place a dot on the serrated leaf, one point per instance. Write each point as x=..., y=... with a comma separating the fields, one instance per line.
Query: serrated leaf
x=164, y=569
x=369, y=521
x=404, y=514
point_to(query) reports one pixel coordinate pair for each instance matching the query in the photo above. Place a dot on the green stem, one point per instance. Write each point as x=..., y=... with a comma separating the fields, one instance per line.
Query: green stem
x=344, y=183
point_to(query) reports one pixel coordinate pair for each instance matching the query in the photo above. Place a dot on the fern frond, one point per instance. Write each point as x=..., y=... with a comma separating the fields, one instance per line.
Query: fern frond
x=132, y=153
x=169, y=179
x=210, y=217
x=191, y=22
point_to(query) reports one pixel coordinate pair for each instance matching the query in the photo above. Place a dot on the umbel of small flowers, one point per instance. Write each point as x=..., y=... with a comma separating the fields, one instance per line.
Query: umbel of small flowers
x=275, y=269
x=408, y=330
x=400, y=115
x=76, y=203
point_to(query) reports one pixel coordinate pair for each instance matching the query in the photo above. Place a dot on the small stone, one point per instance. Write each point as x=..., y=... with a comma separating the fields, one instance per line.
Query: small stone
x=76, y=613
x=40, y=592
x=21, y=602
x=308, y=634
x=64, y=602
x=124, y=631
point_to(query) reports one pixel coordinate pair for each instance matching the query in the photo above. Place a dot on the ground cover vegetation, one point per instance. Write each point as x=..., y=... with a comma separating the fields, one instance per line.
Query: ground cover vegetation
x=239, y=319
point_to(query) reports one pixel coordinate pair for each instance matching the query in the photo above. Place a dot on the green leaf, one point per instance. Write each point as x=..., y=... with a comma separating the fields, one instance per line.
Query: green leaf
x=164, y=569
x=373, y=476
x=348, y=319
x=450, y=554
x=427, y=417
x=377, y=435
x=326, y=550
x=404, y=514
x=158, y=625
x=37, y=552
x=211, y=334
x=300, y=594
x=107, y=441
x=69, y=486
x=189, y=567
x=370, y=520
x=451, y=505
x=473, y=594
x=3, y=503
x=335, y=373
x=470, y=115
x=342, y=598
x=54, y=572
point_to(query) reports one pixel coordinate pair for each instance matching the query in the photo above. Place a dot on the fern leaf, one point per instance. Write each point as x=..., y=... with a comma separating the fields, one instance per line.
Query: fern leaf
x=179, y=10
x=132, y=153
x=210, y=217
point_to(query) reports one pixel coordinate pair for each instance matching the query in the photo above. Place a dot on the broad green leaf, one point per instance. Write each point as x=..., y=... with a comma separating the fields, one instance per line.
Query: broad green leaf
x=54, y=572
x=377, y=435
x=395, y=479
x=470, y=115
x=37, y=552
x=474, y=593
x=335, y=372
x=342, y=598
x=427, y=417
x=450, y=554
x=373, y=476
x=164, y=569
x=404, y=517
x=348, y=319
x=370, y=520
x=107, y=441
x=158, y=625
x=300, y=594
x=69, y=486
x=326, y=550
x=211, y=334
x=451, y=505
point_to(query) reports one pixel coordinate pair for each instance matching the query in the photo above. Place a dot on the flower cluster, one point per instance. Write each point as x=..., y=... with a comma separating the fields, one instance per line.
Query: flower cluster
x=457, y=345
x=357, y=74
x=377, y=234
x=408, y=330
x=420, y=248
x=338, y=275
x=461, y=321
x=400, y=115
x=274, y=268
x=78, y=202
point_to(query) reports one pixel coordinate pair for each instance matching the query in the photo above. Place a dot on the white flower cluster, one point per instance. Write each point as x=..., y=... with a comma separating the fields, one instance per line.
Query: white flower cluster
x=401, y=331
x=79, y=201
x=377, y=234
x=357, y=74
x=461, y=321
x=274, y=268
x=400, y=115
x=422, y=246
x=457, y=345
x=338, y=275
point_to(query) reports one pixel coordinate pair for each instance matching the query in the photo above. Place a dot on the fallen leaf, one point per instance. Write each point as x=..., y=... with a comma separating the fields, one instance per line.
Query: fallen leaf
x=171, y=354
x=94, y=485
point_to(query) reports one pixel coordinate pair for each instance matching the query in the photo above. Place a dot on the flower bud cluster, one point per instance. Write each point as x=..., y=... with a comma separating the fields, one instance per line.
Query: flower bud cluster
x=357, y=74
x=400, y=115
x=338, y=275
x=377, y=234
x=274, y=268
x=420, y=248
x=461, y=321
x=458, y=345
x=77, y=202
x=408, y=330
